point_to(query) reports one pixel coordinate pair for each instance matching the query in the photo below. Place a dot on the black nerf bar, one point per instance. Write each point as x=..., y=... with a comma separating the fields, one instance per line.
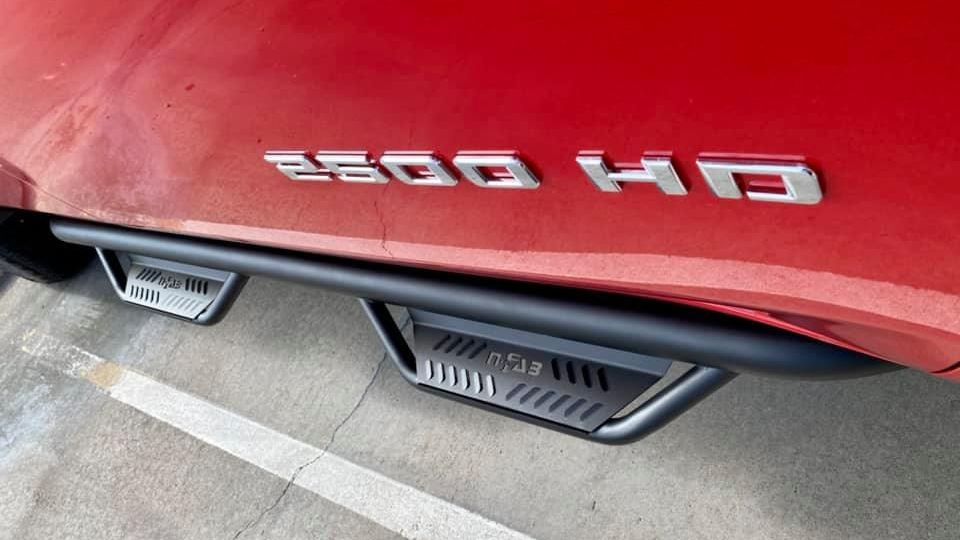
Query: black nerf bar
x=630, y=323
x=655, y=412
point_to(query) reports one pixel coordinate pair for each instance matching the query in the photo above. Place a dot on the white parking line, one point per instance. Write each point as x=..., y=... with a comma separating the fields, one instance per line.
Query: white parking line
x=398, y=507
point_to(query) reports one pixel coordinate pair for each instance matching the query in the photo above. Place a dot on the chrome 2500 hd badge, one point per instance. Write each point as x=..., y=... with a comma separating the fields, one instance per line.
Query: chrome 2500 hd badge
x=506, y=170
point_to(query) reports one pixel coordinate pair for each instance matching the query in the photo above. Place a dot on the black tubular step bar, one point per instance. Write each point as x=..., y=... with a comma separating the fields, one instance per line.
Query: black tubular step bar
x=719, y=346
x=655, y=412
x=212, y=314
x=627, y=323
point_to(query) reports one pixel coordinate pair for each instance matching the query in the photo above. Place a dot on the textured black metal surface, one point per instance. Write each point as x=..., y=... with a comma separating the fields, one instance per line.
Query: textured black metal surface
x=187, y=292
x=574, y=384
x=655, y=412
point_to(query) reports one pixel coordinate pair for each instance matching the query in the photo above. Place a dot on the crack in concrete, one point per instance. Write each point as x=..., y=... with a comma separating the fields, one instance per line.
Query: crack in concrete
x=333, y=436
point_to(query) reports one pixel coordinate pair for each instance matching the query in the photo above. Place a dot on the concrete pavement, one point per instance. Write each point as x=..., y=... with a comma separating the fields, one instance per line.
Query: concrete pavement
x=871, y=458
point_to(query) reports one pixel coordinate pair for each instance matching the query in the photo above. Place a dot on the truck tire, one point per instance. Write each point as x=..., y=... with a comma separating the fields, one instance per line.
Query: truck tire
x=29, y=250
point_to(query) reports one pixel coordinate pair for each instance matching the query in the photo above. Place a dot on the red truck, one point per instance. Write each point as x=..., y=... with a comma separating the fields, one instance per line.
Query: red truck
x=568, y=196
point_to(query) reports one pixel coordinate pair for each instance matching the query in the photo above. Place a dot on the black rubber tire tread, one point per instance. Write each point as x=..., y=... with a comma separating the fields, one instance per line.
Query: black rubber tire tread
x=29, y=250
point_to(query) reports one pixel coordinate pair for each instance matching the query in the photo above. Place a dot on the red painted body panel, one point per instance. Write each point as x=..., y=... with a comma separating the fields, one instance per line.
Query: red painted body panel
x=157, y=114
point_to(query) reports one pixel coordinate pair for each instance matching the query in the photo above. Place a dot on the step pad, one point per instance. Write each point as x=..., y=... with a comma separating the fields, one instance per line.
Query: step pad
x=570, y=383
x=193, y=293
x=176, y=293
